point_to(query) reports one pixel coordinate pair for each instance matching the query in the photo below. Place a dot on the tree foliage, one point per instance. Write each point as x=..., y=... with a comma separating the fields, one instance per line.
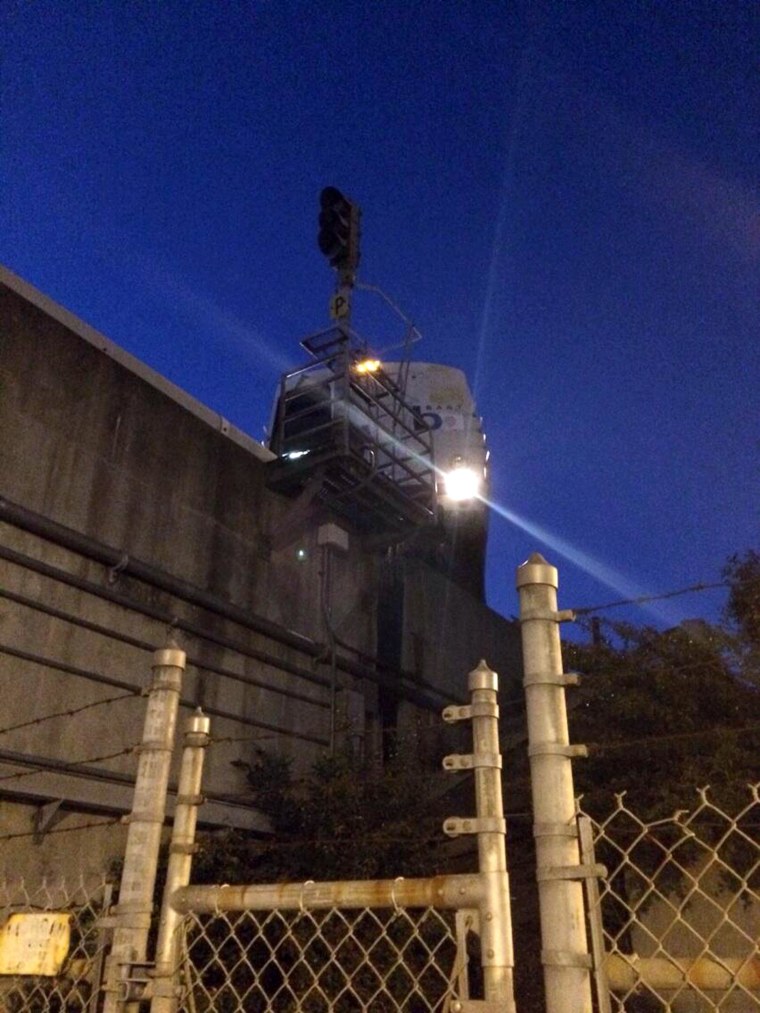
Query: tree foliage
x=742, y=572
x=340, y=821
x=664, y=713
x=743, y=575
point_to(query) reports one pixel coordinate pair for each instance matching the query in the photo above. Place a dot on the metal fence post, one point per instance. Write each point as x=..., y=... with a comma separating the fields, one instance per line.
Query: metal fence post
x=189, y=798
x=132, y=915
x=564, y=955
x=495, y=916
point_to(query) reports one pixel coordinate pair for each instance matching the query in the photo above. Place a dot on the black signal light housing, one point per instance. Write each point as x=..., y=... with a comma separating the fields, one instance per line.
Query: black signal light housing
x=338, y=239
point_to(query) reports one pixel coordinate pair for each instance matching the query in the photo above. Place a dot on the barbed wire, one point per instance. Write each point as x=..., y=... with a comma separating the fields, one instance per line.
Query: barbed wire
x=71, y=712
x=63, y=830
x=216, y=740
x=67, y=767
x=673, y=737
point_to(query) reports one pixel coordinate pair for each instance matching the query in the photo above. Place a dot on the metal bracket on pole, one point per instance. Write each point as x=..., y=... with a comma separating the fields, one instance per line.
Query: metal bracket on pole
x=562, y=958
x=556, y=749
x=471, y=761
x=555, y=830
x=191, y=799
x=555, y=872
x=481, y=709
x=151, y=746
x=547, y=679
x=129, y=982
x=559, y=616
x=137, y=916
x=182, y=849
x=455, y=826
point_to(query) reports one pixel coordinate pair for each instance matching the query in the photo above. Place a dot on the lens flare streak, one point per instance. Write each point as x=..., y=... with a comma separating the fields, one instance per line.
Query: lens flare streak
x=600, y=571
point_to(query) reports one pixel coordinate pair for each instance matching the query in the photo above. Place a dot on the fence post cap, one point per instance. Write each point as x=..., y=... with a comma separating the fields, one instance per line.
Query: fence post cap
x=536, y=570
x=483, y=677
x=169, y=657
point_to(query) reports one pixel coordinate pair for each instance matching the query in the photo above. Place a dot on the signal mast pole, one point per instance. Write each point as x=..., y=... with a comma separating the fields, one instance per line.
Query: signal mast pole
x=339, y=231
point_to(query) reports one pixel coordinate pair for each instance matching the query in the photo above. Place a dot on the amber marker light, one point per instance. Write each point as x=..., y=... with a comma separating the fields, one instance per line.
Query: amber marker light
x=367, y=366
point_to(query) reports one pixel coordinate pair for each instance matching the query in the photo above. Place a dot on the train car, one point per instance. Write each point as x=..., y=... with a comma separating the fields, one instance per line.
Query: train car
x=413, y=426
x=441, y=396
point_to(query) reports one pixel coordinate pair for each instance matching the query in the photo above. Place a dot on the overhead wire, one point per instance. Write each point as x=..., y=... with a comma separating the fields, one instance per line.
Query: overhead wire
x=644, y=598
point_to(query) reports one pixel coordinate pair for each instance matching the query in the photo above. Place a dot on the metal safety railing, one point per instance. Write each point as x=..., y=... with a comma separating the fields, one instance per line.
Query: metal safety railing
x=352, y=434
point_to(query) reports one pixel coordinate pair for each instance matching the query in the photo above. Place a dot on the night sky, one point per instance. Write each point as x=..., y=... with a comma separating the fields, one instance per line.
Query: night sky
x=564, y=198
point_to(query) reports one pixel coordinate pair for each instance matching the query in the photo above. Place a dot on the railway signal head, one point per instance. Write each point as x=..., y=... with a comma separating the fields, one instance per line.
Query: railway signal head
x=339, y=230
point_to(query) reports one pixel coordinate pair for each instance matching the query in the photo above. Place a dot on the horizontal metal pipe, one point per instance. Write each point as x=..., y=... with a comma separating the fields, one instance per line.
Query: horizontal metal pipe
x=456, y=891
x=84, y=545
x=159, y=615
x=420, y=691
x=144, y=645
x=105, y=680
x=709, y=973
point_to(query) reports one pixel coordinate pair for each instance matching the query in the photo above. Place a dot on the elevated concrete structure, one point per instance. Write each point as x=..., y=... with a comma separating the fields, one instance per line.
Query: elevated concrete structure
x=127, y=508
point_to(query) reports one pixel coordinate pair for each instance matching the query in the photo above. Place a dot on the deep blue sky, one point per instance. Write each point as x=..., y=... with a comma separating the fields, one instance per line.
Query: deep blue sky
x=564, y=197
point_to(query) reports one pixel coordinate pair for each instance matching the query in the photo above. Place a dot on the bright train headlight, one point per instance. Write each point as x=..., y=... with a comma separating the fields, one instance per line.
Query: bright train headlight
x=461, y=484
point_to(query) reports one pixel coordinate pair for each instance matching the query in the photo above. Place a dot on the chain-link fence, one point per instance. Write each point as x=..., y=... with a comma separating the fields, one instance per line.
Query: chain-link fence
x=75, y=985
x=318, y=961
x=680, y=907
x=381, y=945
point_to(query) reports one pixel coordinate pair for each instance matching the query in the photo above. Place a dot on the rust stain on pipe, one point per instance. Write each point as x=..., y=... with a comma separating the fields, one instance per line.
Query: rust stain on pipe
x=709, y=973
x=440, y=891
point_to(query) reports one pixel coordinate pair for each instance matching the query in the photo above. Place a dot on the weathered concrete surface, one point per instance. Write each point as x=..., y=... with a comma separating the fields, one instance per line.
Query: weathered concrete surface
x=107, y=449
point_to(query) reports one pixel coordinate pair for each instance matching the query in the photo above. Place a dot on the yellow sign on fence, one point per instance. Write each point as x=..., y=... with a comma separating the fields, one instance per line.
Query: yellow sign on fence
x=35, y=943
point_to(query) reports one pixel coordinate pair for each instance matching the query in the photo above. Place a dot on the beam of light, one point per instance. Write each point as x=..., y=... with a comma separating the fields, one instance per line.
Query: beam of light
x=594, y=567
x=495, y=281
x=604, y=574
x=601, y=572
x=222, y=326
